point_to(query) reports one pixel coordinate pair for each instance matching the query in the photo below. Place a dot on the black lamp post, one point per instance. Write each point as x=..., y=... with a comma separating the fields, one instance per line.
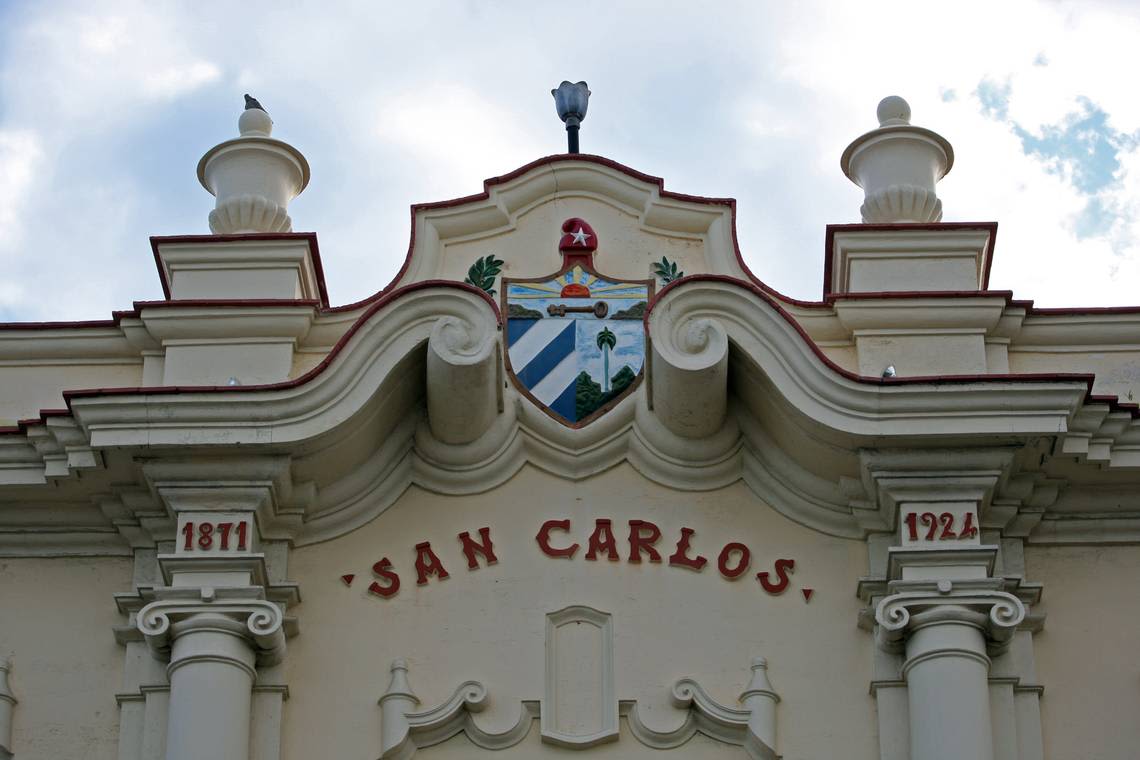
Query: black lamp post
x=571, y=100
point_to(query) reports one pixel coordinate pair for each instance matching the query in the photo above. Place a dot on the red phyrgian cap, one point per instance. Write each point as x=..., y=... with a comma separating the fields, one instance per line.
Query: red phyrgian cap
x=578, y=242
x=577, y=235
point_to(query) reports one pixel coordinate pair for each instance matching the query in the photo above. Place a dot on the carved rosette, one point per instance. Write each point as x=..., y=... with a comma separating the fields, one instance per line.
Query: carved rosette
x=249, y=213
x=901, y=203
x=996, y=613
x=259, y=621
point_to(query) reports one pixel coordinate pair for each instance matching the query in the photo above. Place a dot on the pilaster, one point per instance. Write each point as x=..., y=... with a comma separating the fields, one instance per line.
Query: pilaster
x=949, y=612
x=212, y=645
x=7, y=704
x=208, y=624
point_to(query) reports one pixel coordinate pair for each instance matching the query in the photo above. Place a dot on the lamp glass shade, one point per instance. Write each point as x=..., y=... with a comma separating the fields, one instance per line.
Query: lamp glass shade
x=571, y=99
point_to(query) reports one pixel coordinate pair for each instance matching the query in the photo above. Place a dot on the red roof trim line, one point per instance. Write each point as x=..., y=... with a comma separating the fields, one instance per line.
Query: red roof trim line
x=134, y=313
x=22, y=426
x=1084, y=378
x=314, y=250
x=64, y=325
x=548, y=160
x=1006, y=295
x=395, y=295
x=829, y=242
x=1114, y=403
x=301, y=379
x=1078, y=310
x=558, y=158
x=228, y=303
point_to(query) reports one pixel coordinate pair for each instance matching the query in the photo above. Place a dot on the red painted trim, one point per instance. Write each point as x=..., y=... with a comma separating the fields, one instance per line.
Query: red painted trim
x=729, y=203
x=22, y=426
x=390, y=293
x=1074, y=311
x=301, y=379
x=64, y=325
x=936, y=379
x=221, y=303
x=829, y=242
x=546, y=161
x=314, y=250
x=1037, y=377
x=886, y=295
x=134, y=313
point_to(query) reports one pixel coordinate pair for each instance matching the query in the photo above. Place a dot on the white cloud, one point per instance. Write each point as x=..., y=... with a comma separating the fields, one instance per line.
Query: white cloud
x=450, y=130
x=172, y=81
x=76, y=63
x=20, y=158
x=395, y=105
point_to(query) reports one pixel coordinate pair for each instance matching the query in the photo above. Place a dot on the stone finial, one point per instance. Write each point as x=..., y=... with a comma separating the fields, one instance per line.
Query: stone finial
x=760, y=699
x=253, y=177
x=898, y=165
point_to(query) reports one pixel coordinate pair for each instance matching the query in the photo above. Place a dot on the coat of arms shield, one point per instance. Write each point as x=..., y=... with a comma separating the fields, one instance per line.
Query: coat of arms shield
x=576, y=338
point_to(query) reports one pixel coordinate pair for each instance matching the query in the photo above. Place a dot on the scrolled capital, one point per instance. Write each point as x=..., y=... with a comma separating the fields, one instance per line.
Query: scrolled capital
x=996, y=613
x=258, y=621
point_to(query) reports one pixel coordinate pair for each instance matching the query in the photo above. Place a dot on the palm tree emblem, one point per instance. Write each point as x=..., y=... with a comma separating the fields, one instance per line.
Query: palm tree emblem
x=606, y=341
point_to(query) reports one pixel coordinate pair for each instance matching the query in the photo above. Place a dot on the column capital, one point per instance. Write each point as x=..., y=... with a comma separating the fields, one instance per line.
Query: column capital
x=235, y=611
x=977, y=603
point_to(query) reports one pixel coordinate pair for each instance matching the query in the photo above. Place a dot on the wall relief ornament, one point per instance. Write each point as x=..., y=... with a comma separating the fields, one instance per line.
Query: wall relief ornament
x=576, y=338
x=586, y=635
x=483, y=272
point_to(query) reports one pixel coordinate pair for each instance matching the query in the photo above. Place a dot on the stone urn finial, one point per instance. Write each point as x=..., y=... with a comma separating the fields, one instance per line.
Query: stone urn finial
x=898, y=165
x=253, y=177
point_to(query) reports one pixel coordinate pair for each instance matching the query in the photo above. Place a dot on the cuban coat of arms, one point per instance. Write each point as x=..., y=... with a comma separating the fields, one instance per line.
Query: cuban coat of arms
x=576, y=338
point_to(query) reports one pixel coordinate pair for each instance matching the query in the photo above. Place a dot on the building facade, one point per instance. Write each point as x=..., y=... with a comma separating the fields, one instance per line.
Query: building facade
x=575, y=481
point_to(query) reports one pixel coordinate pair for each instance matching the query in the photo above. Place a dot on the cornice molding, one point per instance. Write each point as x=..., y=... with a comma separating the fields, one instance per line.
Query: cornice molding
x=375, y=374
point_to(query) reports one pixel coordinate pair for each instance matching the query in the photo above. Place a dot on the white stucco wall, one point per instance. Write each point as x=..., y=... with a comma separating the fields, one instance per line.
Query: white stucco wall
x=669, y=622
x=56, y=621
x=27, y=390
x=531, y=249
x=1086, y=656
x=1117, y=371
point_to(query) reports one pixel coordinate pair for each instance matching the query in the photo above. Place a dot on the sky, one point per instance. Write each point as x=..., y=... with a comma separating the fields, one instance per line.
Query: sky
x=106, y=107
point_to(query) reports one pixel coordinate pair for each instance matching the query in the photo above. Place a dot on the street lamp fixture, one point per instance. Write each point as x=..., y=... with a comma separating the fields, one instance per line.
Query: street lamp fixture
x=571, y=99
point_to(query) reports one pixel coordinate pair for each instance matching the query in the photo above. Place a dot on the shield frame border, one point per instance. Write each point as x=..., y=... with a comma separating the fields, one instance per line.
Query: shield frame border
x=588, y=266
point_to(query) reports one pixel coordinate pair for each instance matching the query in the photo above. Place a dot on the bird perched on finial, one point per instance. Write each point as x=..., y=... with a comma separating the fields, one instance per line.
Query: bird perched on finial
x=251, y=102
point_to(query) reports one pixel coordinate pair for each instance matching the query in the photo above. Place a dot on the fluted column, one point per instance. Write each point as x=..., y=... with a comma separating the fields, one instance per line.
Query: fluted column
x=948, y=630
x=213, y=646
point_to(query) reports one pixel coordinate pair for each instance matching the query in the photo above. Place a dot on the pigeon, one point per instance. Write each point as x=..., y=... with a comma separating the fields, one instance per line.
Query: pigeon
x=251, y=102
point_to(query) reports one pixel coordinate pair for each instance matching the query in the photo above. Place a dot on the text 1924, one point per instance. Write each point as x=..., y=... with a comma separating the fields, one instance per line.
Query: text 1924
x=939, y=527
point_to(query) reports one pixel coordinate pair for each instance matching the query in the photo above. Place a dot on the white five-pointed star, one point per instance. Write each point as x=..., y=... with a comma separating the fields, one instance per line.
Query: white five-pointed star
x=580, y=236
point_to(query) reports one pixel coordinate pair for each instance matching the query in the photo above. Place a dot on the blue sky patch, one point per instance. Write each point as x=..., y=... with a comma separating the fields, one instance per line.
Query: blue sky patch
x=994, y=98
x=1083, y=148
